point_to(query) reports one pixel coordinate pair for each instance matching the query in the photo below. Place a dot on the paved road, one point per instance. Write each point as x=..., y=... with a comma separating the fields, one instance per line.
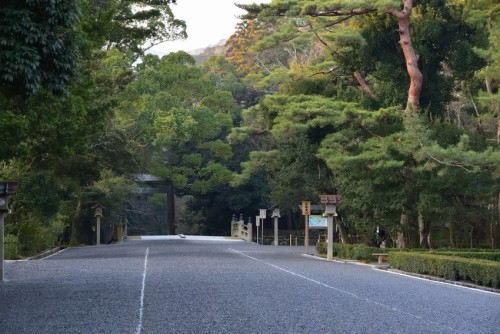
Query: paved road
x=194, y=285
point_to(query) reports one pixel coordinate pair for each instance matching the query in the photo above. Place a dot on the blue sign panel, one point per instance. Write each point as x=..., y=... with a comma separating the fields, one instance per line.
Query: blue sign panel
x=317, y=221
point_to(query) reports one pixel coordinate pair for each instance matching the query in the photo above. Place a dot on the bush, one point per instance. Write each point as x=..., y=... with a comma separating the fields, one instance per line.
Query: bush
x=343, y=251
x=346, y=251
x=365, y=253
x=482, y=272
x=36, y=235
x=491, y=256
x=11, y=247
x=321, y=248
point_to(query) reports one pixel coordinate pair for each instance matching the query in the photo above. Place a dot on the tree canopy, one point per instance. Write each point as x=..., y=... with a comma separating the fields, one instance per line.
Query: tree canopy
x=394, y=104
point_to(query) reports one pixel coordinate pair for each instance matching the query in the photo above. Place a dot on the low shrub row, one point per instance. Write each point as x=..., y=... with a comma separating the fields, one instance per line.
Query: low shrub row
x=345, y=251
x=482, y=272
x=491, y=256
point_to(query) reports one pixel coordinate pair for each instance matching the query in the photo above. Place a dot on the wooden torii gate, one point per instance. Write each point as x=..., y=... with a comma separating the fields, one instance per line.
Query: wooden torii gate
x=157, y=185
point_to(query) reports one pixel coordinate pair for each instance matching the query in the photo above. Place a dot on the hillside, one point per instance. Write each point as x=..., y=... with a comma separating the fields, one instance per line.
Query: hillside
x=201, y=55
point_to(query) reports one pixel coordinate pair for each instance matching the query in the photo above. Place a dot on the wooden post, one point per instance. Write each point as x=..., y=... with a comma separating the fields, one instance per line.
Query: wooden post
x=250, y=232
x=329, y=252
x=98, y=231
x=276, y=231
x=262, y=231
x=306, y=240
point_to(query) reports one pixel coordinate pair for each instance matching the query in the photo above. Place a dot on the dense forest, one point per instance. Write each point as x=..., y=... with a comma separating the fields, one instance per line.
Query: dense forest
x=393, y=104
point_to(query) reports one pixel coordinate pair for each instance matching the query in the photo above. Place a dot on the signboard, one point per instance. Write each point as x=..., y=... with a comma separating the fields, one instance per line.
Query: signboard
x=306, y=208
x=317, y=221
x=330, y=199
x=257, y=221
x=262, y=213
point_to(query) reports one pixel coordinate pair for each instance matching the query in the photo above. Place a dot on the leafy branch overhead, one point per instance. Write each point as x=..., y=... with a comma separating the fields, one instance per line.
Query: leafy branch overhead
x=388, y=99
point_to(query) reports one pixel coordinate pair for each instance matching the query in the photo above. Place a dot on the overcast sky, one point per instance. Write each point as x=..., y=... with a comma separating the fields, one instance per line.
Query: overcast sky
x=207, y=23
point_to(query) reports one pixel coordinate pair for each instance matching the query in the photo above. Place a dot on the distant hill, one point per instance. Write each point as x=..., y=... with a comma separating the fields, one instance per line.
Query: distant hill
x=201, y=55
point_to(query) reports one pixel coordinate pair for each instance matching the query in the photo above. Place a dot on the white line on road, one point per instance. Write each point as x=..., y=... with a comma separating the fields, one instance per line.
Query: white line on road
x=141, y=310
x=343, y=291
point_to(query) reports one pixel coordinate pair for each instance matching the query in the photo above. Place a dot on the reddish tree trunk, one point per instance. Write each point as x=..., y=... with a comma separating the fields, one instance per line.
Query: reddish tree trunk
x=414, y=73
x=363, y=84
x=411, y=58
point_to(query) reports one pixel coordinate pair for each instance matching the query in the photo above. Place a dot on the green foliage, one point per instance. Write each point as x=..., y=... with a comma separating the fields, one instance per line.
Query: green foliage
x=481, y=272
x=189, y=118
x=11, y=245
x=321, y=248
x=111, y=190
x=317, y=130
x=36, y=233
x=346, y=251
x=132, y=26
x=490, y=255
x=39, y=45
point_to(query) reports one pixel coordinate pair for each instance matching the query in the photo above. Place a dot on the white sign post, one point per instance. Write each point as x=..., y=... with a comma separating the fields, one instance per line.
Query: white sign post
x=262, y=215
x=276, y=215
x=257, y=223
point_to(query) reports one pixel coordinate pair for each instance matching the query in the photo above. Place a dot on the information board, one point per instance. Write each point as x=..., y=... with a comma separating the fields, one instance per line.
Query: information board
x=317, y=221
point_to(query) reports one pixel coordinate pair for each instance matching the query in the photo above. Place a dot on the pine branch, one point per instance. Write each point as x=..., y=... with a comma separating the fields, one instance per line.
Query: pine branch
x=363, y=84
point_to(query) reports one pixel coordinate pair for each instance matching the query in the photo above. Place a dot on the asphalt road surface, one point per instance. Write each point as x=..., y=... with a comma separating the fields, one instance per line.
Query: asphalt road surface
x=195, y=285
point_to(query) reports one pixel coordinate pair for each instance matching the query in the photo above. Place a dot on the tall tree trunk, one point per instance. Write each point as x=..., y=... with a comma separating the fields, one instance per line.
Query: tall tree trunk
x=289, y=222
x=423, y=229
x=170, y=209
x=471, y=236
x=429, y=239
x=401, y=242
x=488, y=85
x=344, y=238
x=451, y=230
x=416, y=79
x=492, y=234
x=74, y=238
x=411, y=57
x=498, y=132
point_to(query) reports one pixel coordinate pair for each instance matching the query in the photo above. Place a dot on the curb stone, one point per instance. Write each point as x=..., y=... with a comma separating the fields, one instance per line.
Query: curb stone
x=386, y=267
x=45, y=254
x=443, y=280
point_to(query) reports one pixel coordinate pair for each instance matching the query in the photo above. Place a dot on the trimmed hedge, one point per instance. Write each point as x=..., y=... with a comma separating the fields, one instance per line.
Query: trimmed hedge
x=490, y=256
x=482, y=272
x=321, y=248
x=353, y=252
